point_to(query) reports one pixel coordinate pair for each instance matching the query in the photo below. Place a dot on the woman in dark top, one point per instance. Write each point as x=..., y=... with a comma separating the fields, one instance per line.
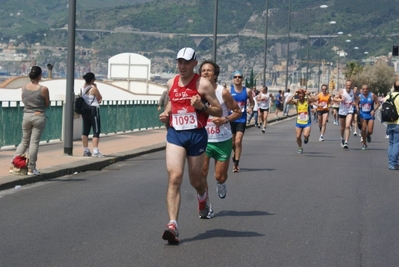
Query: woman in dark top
x=93, y=98
x=36, y=99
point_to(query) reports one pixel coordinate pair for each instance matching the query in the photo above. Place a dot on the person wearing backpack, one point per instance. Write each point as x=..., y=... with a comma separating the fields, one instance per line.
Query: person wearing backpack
x=393, y=132
x=366, y=105
x=92, y=97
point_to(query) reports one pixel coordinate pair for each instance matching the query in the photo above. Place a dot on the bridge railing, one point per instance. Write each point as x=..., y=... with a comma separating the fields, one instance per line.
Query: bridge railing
x=116, y=117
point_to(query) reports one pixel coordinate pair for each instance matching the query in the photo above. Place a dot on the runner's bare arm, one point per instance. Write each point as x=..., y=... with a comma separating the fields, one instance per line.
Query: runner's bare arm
x=206, y=89
x=251, y=101
x=291, y=99
x=231, y=105
x=164, y=116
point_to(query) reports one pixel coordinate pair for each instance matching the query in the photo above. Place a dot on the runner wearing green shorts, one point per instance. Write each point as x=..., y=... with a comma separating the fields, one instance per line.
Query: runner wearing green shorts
x=219, y=130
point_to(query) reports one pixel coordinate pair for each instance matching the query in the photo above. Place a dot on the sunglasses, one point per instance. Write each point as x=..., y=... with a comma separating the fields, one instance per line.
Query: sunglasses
x=237, y=77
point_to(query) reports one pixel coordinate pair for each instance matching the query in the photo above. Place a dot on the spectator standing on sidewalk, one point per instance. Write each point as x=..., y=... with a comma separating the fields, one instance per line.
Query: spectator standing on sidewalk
x=286, y=106
x=219, y=129
x=36, y=99
x=186, y=139
x=92, y=120
x=279, y=102
x=393, y=133
x=241, y=95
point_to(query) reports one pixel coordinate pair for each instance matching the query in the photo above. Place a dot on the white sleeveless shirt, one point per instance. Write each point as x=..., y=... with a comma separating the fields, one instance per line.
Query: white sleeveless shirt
x=346, y=105
x=223, y=132
x=264, y=104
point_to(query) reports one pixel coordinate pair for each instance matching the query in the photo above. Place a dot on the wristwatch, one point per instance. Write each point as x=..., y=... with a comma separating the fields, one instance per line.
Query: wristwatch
x=227, y=120
x=204, y=107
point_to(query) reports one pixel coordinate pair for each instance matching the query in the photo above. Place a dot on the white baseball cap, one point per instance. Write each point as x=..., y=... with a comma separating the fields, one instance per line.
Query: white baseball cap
x=187, y=53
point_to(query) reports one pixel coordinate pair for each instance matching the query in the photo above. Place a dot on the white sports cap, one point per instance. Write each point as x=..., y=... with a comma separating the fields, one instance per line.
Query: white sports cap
x=187, y=53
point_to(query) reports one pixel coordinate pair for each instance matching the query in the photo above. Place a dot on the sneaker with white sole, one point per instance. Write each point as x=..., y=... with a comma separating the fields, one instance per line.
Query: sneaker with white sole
x=263, y=130
x=221, y=189
x=368, y=138
x=171, y=234
x=204, y=208
x=86, y=154
x=346, y=145
x=97, y=155
x=33, y=172
x=321, y=138
x=300, y=150
x=355, y=134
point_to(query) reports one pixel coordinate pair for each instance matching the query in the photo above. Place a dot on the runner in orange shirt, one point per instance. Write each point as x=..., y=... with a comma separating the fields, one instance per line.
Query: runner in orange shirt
x=323, y=103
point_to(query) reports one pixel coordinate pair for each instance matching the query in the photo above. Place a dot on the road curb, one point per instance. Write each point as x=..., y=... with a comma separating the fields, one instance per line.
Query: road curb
x=90, y=164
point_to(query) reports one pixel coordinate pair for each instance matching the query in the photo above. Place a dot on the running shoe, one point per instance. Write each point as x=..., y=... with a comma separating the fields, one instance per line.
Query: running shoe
x=342, y=142
x=263, y=130
x=171, y=234
x=306, y=140
x=204, y=207
x=236, y=168
x=86, y=154
x=321, y=138
x=368, y=138
x=221, y=189
x=210, y=214
x=346, y=145
x=386, y=136
x=355, y=134
x=259, y=126
x=361, y=139
x=364, y=147
x=300, y=150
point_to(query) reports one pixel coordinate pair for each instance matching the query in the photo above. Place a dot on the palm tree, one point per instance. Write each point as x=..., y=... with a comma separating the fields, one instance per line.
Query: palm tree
x=352, y=71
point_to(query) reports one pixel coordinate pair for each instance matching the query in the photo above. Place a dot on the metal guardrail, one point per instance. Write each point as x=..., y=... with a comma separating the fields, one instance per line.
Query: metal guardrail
x=116, y=117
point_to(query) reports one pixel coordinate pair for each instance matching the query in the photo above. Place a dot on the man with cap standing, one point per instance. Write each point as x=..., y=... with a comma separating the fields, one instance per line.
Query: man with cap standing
x=191, y=100
x=241, y=95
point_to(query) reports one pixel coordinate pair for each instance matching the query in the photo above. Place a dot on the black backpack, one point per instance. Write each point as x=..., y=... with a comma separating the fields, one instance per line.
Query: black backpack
x=81, y=107
x=388, y=110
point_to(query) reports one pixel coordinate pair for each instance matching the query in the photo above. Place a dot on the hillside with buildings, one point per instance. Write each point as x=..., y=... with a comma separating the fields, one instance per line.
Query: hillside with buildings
x=40, y=36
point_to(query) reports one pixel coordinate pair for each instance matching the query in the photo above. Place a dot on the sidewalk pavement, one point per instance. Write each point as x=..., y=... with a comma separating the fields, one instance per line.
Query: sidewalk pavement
x=52, y=162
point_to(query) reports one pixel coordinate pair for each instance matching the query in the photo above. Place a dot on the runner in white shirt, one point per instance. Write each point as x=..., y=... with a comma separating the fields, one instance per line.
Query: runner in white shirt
x=263, y=100
x=219, y=131
x=346, y=99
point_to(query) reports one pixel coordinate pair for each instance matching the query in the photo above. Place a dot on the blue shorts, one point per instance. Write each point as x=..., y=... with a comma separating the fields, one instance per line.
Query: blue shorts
x=366, y=116
x=194, y=141
x=303, y=126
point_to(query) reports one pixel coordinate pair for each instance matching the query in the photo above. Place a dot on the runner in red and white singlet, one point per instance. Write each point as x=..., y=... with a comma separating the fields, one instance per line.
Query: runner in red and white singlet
x=186, y=139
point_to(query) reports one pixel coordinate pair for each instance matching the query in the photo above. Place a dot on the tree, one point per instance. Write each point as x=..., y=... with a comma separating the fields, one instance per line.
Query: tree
x=379, y=78
x=352, y=71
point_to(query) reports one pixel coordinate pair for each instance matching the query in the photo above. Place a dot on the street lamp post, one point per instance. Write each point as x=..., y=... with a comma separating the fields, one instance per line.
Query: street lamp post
x=288, y=47
x=70, y=91
x=308, y=52
x=215, y=30
x=265, y=53
x=319, y=72
x=339, y=55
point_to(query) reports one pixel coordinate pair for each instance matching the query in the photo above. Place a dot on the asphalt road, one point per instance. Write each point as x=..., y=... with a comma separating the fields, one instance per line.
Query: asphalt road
x=326, y=207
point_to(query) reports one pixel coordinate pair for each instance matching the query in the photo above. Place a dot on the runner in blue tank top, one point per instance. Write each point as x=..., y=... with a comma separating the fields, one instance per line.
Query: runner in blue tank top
x=241, y=95
x=367, y=103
